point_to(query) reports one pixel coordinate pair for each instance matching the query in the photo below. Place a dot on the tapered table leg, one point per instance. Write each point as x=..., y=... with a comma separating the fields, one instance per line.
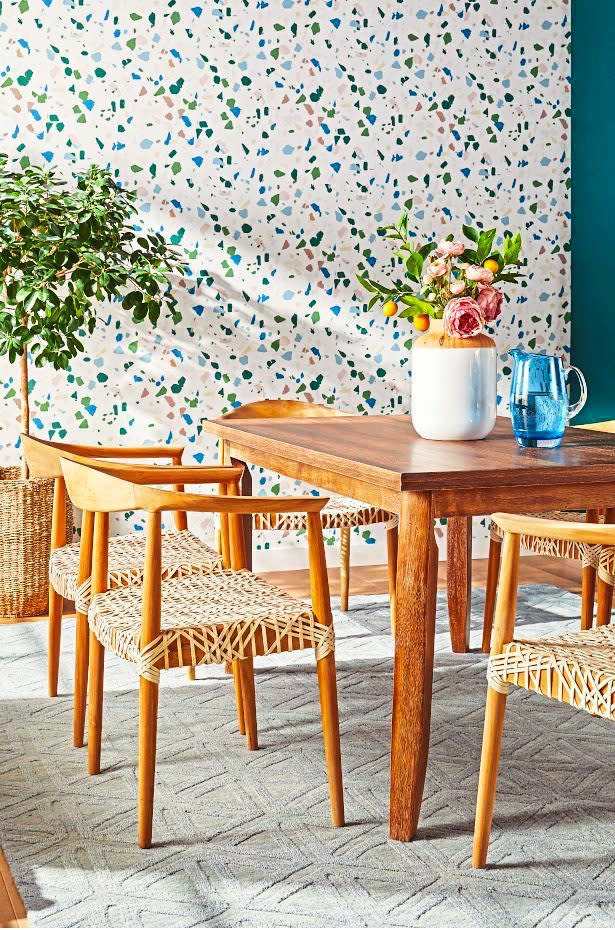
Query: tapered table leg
x=417, y=576
x=246, y=491
x=459, y=580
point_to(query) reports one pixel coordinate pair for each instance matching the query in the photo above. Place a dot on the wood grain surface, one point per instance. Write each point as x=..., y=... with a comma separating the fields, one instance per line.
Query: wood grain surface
x=385, y=450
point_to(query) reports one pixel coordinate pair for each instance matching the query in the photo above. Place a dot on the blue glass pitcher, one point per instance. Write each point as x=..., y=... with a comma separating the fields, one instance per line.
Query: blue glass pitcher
x=539, y=404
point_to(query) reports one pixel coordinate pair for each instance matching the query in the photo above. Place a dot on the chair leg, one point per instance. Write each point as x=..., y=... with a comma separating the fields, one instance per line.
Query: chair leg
x=82, y=644
x=605, y=589
x=605, y=602
x=56, y=606
x=95, y=704
x=238, y=697
x=496, y=702
x=392, y=547
x=148, y=728
x=490, y=758
x=331, y=732
x=588, y=594
x=344, y=567
x=588, y=582
x=246, y=675
x=493, y=570
x=191, y=673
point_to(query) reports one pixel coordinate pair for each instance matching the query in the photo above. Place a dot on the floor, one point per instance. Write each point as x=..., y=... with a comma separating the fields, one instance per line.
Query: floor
x=366, y=580
x=372, y=579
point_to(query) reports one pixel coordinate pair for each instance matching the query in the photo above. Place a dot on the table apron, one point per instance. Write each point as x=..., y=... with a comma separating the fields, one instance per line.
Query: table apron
x=462, y=502
x=523, y=498
x=357, y=488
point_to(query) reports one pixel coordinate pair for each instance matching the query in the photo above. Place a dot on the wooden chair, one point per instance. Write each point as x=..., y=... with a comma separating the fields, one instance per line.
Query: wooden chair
x=592, y=588
x=576, y=668
x=183, y=552
x=340, y=513
x=228, y=615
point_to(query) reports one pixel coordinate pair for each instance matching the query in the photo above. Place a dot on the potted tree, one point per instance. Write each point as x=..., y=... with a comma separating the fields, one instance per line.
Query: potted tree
x=64, y=249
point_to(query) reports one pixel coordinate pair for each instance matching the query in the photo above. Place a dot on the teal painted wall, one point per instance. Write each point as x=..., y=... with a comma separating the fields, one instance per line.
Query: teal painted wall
x=593, y=204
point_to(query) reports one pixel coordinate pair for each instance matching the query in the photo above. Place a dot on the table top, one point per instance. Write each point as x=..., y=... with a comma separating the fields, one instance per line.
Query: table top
x=386, y=451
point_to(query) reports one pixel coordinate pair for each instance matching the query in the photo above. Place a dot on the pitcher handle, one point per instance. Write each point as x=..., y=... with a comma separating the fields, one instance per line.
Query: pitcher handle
x=573, y=409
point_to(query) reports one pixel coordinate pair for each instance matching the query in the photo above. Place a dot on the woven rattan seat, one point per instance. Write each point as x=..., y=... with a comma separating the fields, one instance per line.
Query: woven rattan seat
x=606, y=565
x=211, y=618
x=337, y=514
x=183, y=554
x=542, y=545
x=577, y=668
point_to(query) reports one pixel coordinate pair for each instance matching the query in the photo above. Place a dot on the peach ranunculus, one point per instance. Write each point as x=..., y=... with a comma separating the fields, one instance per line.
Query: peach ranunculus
x=463, y=317
x=457, y=287
x=479, y=275
x=437, y=268
x=447, y=248
x=489, y=299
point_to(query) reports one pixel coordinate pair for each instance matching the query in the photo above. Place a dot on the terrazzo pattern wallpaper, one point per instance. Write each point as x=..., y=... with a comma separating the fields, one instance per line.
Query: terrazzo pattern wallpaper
x=269, y=140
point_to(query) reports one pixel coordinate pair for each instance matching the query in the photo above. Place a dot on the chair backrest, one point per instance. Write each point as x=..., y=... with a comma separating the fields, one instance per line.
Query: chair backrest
x=43, y=456
x=279, y=409
x=275, y=410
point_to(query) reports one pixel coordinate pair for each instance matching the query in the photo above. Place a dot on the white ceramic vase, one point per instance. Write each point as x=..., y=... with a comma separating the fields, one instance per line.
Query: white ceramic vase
x=454, y=393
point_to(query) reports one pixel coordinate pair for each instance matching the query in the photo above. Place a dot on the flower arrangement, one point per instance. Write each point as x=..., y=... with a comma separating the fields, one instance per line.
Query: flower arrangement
x=448, y=280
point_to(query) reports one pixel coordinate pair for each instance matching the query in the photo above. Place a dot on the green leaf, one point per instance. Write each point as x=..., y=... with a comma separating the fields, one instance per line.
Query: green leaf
x=139, y=313
x=417, y=305
x=132, y=299
x=427, y=249
x=512, y=248
x=365, y=282
x=470, y=233
x=380, y=288
x=414, y=265
x=485, y=242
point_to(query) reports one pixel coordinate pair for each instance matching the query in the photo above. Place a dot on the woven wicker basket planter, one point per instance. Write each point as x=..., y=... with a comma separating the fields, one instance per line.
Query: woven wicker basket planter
x=25, y=536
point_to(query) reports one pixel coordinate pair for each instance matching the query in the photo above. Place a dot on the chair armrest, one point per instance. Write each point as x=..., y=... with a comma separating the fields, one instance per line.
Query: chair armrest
x=595, y=534
x=136, y=473
x=173, y=474
x=154, y=500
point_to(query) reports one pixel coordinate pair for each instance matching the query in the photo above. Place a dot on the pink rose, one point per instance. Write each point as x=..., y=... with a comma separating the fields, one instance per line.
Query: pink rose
x=463, y=317
x=457, y=287
x=446, y=248
x=490, y=301
x=479, y=274
x=437, y=268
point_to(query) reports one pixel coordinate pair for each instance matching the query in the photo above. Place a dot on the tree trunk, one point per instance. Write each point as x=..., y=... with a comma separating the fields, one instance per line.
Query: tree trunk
x=25, y=405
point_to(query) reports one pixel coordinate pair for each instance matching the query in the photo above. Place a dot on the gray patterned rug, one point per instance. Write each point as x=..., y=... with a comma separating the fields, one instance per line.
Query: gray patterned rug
x=243, y=839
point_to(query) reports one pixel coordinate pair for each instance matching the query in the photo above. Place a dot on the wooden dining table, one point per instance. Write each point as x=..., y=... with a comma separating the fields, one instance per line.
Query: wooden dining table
x=381, y=460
